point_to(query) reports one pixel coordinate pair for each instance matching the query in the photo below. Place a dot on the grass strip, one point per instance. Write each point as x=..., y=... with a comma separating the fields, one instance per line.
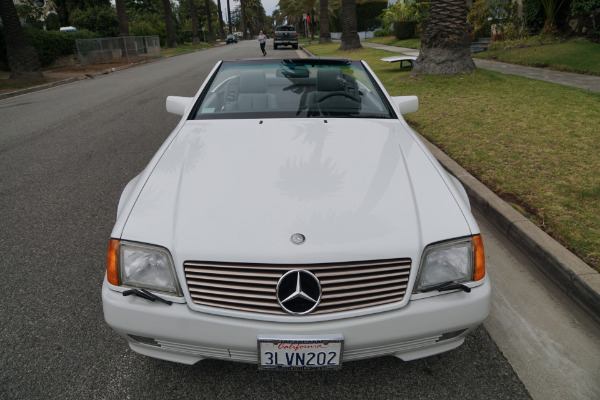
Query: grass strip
x=534, y=143
x=392, y=41
x=574, y=56
x=184, y=48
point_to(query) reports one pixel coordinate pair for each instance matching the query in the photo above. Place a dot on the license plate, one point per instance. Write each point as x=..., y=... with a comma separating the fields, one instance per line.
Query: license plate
x=300, y=352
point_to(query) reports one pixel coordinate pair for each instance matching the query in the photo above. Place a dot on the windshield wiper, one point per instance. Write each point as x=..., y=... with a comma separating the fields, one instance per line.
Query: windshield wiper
x=143, y=293
x=450, y=285
x=381, y=116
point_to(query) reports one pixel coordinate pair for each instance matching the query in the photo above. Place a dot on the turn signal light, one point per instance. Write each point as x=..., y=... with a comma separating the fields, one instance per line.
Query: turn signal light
x=479, y=258
x=112, y=270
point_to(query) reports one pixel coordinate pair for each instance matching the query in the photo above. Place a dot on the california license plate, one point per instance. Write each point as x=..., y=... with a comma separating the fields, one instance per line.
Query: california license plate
x=300, y=352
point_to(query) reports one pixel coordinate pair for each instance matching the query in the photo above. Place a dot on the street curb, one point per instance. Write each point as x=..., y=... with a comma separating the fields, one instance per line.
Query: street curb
x=74, y=79
x=574, y=277
x=37, y=88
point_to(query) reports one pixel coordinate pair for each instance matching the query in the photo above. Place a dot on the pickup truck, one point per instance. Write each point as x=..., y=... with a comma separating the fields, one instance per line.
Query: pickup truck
x=285, y=35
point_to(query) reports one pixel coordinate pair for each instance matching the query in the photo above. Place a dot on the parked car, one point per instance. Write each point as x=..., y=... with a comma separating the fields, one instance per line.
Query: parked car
x=285, y=35
x=231, y=38
x=294, y=220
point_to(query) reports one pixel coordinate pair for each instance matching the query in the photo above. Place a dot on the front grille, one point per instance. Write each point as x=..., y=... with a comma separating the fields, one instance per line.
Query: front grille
x=252, y=287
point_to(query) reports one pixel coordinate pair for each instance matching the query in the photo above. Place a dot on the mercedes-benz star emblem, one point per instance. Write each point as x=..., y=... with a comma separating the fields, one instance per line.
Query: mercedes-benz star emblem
x=298, y=238
x=298, y=292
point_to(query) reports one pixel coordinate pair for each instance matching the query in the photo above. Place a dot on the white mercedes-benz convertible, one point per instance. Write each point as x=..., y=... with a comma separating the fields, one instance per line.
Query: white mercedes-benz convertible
x=294, y=220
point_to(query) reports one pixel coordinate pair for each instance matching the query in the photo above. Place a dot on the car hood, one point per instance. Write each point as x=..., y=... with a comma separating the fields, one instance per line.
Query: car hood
x=232, y=190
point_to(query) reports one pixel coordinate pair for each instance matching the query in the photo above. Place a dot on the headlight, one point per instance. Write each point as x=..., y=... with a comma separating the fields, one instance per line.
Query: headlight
x=148, y=267
x=456, y=261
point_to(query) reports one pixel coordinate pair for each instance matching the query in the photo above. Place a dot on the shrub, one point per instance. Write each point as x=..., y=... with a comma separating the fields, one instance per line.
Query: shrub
x=50, y=45
x=150, y=28
x=383, y=32
x=404, y=29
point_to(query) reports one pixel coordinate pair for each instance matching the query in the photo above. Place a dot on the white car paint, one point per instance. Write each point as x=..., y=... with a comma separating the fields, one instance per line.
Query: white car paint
x=234, y=190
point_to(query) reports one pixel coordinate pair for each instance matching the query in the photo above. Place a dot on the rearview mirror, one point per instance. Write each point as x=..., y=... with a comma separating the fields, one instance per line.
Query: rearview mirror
x=178, y=105
x=406, y=104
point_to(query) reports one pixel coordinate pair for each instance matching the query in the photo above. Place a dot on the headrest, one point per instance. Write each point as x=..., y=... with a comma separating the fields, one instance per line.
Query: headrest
x=330, y=80
x=253, y=82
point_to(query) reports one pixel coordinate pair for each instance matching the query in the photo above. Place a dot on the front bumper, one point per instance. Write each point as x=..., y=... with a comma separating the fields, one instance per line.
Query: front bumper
x=175, y=333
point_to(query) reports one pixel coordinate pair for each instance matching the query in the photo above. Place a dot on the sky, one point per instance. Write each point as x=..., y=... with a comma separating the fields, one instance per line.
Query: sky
x=269, y=5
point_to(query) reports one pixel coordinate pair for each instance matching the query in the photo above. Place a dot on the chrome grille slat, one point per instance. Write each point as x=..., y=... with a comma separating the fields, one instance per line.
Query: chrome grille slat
x=356, y=278
x=252, y=287
x=362, y=286
x=328, y=295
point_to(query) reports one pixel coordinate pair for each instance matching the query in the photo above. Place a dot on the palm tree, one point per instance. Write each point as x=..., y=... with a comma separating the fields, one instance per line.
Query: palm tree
x=350, y=39
x=324, y=35
x=171, y=39
x=445, y=47
x=22, y=57
x=122, y=17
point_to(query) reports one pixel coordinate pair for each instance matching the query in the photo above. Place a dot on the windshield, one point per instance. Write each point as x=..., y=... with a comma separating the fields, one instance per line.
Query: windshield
x=289, y=28
x=302, y=88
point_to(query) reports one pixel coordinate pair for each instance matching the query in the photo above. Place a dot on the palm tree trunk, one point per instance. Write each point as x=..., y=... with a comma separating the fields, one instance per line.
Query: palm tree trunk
x=445, y=47
x=171, y=39
x=324, y=34
x=229, y=17
x=195, y=38
x=122, y=17
x=211, y=34
x=243, y=21
x=22, y=58
x=350, y=39
x=221, y=29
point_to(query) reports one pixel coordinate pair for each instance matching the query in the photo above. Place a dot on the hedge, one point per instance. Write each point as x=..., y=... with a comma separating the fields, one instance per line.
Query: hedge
x=50, y=45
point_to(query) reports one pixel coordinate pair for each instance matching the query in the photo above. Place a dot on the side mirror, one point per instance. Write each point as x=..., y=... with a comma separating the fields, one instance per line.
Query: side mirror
x=406, y=104
x=178, y=105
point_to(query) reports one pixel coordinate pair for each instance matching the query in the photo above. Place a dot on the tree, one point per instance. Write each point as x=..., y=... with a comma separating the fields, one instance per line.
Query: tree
x=445, y=46
x=220, y=16
x=122, y=17
x=171, y=40
x=195, y=38
x=101, y=20
x=324, y=35
x=211, y=35
x=22, y=58
x=350, y=39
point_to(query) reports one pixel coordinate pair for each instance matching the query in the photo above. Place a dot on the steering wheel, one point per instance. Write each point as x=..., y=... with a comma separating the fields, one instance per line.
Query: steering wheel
x=340, y=93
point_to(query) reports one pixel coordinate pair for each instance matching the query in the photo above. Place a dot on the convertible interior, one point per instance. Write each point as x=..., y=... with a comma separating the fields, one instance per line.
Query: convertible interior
x=288, y=93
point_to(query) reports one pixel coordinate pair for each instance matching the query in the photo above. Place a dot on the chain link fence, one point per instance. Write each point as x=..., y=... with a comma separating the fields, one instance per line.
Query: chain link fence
x=129, y=49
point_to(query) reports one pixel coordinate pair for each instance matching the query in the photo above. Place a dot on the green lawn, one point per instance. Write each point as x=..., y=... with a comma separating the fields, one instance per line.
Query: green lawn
x=392, y=41
x=534, y=143
x=575, y=56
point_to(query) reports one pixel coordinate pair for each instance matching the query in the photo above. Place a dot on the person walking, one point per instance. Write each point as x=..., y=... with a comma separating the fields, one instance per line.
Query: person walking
x=262, y=39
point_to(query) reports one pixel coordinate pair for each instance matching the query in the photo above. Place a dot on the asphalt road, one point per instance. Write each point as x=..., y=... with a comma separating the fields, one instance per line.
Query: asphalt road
x=65, y=155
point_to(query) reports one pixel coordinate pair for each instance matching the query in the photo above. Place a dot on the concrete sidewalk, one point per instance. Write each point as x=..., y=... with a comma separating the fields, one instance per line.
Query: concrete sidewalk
x=587, y=82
